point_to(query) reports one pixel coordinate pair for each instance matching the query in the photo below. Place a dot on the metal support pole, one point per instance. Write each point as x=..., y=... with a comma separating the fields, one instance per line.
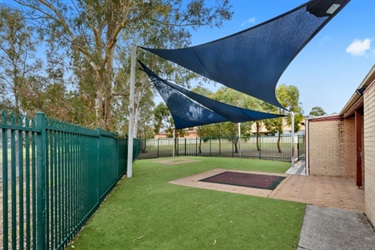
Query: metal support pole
x=131, y=112
x=292, y=128
x=239, y=139
x=174, y=141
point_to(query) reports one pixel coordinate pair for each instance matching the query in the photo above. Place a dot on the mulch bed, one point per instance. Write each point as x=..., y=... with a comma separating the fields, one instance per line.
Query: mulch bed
x=262, y=181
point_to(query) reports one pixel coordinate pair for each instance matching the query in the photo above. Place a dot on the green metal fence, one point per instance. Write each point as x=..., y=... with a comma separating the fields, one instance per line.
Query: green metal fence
x=263, y=147
x=54, y=176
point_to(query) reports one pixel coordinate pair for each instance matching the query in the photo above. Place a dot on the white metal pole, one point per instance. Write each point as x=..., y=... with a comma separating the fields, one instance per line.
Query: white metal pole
x=292, y=128
x=307, y=147
x=239, y=139
x=174, y=141
x=131, y=111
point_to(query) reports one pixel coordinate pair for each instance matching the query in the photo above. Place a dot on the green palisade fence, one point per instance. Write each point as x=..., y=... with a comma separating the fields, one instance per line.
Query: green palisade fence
x=54, y=176
x=224, y=147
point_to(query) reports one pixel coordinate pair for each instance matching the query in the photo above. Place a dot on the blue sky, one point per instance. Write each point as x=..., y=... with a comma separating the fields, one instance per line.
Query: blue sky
x=331, y=66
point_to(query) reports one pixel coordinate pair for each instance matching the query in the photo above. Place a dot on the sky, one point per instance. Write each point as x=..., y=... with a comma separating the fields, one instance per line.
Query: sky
x=331, y=66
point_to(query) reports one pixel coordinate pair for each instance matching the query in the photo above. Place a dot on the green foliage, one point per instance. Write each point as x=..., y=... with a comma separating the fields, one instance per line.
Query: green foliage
x=235, y=98
x=317, y=111
x=96, y=38
x=288, y=96
x=18, y=65
x=162, y=119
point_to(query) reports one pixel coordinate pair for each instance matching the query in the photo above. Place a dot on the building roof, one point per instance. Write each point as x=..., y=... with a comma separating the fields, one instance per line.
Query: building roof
x=356, y=100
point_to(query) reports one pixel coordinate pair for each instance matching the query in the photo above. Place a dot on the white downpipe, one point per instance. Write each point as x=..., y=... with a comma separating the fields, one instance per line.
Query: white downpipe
x=131, y=111
x=292, y=128
x=307, y=134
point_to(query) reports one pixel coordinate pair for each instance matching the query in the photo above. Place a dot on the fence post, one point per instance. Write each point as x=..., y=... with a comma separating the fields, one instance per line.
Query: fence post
x=158, y=148
x=5, y=180
x=233, y=146
x=298, y=153
x=210, y=144
x=260, y=147
x=196, y=146
x=117, y=156
x=41, y=180
x=239, y=146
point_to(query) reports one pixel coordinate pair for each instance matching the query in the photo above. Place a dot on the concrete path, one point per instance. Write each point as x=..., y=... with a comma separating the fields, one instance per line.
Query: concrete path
x=324, y=191
x=332, y=229
x=334, y=218
x=297, y=169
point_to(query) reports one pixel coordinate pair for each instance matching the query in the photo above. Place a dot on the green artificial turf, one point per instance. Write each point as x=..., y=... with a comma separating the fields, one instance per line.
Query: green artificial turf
x=145, y=212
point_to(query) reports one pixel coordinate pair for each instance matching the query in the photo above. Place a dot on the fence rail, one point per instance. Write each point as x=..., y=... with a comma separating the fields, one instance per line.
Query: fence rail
x=54, y=176
x=263, y=147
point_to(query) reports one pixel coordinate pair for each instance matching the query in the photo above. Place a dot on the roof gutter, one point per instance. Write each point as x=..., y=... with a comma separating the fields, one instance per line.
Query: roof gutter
x=370, y=77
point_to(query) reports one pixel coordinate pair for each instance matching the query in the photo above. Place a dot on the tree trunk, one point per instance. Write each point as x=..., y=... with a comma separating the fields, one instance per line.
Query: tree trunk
x=137, y=101
x=104, y=96
x=200, y=145
x=144, y=145
x=17, y=106
x=278, y=143
x=175, y=142
x=235, y=142
x=257, y=135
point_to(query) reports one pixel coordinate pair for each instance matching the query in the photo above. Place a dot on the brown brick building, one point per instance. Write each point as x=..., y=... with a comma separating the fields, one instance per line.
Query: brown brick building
x=344, y=144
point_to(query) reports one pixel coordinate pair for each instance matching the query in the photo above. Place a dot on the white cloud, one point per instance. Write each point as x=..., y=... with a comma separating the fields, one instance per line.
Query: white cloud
x=251, y=20
x=359, y=47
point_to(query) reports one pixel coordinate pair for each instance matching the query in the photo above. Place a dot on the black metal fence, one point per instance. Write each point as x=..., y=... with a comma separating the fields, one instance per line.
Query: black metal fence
x=263, y=147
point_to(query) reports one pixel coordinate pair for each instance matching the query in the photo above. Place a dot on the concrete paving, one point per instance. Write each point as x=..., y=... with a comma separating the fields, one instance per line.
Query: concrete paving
x=334, y=218
x=323, y=191
x=297, y=169
x=331, y=229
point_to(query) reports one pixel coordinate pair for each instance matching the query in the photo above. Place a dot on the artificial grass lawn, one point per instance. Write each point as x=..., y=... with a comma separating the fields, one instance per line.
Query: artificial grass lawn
x=145, y=212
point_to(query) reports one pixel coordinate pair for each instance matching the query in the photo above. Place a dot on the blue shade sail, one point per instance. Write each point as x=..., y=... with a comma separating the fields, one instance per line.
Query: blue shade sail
x=185, y=112
x=191, y=109
x=253, y=60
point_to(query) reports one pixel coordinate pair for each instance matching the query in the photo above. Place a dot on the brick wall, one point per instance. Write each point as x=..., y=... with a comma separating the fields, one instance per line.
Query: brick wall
x=332, y=147
x=369, y=145
x=326, y=147
x=349, y=148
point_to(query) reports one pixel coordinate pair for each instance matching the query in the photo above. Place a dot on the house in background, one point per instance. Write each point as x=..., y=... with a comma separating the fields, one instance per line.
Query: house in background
x=188, y=133
x=344, y=144
x=193, y=132
x=287, y=130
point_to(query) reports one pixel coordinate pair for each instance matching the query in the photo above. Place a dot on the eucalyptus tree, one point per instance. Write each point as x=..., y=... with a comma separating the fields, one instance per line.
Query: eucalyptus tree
x=235, y=98
x=93, y=32
x=18, y=64
x=288, y=96
x=162, y=119
x=48, y=90
x=143, y=107
x=261, y=106
x=205, y=130
x=317, y=111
